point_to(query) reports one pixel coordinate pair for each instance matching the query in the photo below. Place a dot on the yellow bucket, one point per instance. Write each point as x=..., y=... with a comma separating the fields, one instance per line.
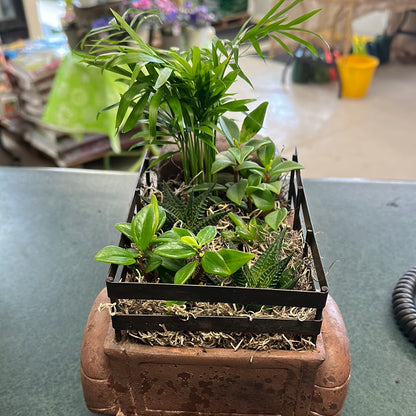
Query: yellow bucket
x=356, y=73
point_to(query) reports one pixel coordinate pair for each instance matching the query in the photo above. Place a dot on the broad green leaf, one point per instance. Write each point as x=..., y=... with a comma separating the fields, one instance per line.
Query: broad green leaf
x=182, y=232
x=184, y=274
x=190, y=241
x=230, y=130
x=162, y=218
x=168, y=236
x=116, y=255
x=284, y=167
x=275, y=187
x=220, y=164
x=236, y=192
x=266, y=153
x=142, y=227
x=213, y=263
x=235, y=259
x=153, y=203
x=125, y=228
x=175, y=250
x=275, y=218
x=253, y=122
x=154, y=262
x=246, y=151
x=248, y=164
x=236, y=152
x=206, y=235
x=172, y=264
x=263, y=200
x=257, y=143
x=260, y=187
x=254, y=179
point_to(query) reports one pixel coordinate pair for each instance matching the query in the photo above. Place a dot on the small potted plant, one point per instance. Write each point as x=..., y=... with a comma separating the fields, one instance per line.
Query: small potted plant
x=198, y=30
x=217, y=294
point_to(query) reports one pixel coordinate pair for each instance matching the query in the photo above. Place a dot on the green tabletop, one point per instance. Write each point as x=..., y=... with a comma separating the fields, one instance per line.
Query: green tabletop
x=53, y=221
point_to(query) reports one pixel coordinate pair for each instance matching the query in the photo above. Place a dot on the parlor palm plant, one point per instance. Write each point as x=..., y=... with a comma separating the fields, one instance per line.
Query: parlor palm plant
x=184, y=94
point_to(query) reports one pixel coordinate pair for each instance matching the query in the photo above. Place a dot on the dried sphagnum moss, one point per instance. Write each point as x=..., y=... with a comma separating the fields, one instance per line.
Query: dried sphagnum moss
x=293, y=244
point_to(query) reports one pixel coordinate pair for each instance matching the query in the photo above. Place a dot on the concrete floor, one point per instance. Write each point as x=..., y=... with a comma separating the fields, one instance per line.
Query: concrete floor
x=372, y=137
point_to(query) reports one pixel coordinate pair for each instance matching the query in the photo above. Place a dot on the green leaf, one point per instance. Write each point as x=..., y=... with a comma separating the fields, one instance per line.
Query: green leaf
x=275, y=218
x=253, y=122
x=190, y=241
x=154, y=262
x=182, y=232
x=220, y=164
x=153, y=111
x=162, y=218
x=254, y=179
x=275, y=187
x=236, y=219
x=236, y=153
x=184, y=274
x=136, y=112
x=284, y=167
x=236, y=192
x=246, y=151
x=266, y=153
x=206, y=235
x=235, y=259
x=142, y=227
x=125, y=228
x=245, y=234
x=213, y=263
x=248, y=164
x=116, y=255
x=230, y=130
x=166, y=237
x=175, y=250
x=163, y=77
x=172, y=264
x=263, y=200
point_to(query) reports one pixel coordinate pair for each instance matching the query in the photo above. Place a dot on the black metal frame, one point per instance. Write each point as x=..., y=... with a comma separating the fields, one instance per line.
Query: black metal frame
x=117, y=288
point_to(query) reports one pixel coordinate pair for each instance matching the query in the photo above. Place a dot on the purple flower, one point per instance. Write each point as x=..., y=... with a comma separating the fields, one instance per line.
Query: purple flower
x=198, y=15
x=100, y=22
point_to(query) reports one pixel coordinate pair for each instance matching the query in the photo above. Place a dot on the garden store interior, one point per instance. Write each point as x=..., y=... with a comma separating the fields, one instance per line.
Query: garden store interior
x=63, y=191
x=366, y=138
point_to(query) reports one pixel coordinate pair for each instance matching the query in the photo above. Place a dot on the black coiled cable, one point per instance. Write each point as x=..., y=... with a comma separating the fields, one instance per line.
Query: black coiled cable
x=404, y=304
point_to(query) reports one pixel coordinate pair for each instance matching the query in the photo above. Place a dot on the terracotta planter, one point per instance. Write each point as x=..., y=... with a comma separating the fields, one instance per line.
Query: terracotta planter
x=130, y=379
